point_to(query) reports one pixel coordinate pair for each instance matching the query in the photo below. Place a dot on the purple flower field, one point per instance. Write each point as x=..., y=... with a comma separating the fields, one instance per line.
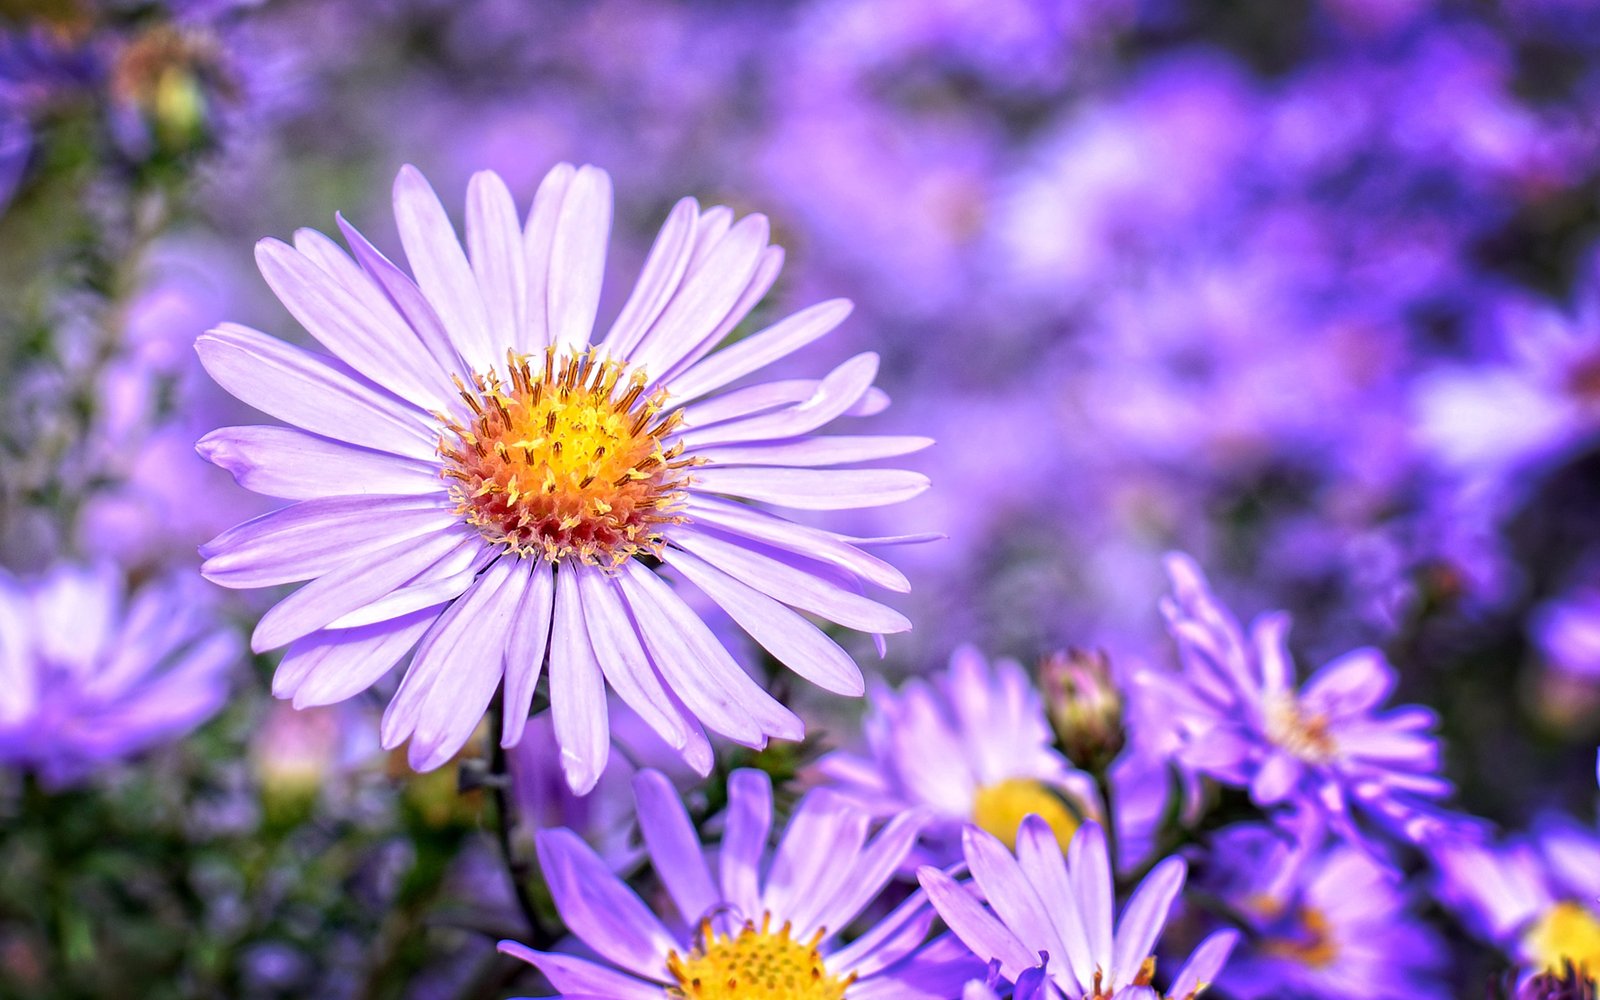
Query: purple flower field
x=800, y=500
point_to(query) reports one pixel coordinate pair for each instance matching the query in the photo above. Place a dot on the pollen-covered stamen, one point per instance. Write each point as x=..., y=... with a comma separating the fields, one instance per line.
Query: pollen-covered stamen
x=755, y=963
x=1304, y=734
x=567, y=460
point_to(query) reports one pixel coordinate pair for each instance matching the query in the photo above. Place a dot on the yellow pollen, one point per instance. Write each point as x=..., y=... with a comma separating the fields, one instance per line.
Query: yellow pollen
x=1305, y=735
x=1314, y=948
x=565, y=461
x=1567, y=931
x=1001, y=807
x=756, y=963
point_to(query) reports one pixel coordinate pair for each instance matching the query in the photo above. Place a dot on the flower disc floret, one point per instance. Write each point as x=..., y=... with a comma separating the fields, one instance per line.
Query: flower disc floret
x=755, y=963
x=566, y=460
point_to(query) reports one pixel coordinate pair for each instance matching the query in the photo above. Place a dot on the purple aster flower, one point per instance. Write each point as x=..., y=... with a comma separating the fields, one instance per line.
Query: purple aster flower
x=1322, y=750
x=737, y=933
x=90, y=674
x=1325, y=920
x=1058, y=909
x=1533, y=897
x=482, y=475
x=974, y=745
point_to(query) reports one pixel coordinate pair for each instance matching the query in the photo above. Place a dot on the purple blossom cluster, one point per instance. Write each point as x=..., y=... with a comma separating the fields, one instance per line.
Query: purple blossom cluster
x=837, y=500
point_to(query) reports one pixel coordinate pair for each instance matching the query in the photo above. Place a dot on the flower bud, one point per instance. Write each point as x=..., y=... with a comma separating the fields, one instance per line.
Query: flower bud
x=1085, y=706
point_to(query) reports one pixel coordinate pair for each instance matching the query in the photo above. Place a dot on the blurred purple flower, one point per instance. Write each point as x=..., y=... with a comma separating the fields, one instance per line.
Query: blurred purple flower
x=439, y=496
x=91, y=674
x=1566, y=632
x=824, y=873
x=1057, y=911
x=1533, y=897
x=1322, y=751
x=1324, y=920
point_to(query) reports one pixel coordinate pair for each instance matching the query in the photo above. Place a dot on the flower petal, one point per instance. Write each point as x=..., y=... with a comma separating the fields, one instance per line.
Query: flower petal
x=578, y=258
x=577, y=690
x=759, y=350
x=675, y=851
x=296, y=465
x=596, y=906
x=441, y=268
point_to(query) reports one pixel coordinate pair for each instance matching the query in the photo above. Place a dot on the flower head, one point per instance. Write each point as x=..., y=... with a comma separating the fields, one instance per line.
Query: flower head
x=1533, y=897
x=90, y=674
x=1323, y=749
x=482, y=474
x=1326, y=920
x=972, y=746
x=1047, y=909
x=741, y=935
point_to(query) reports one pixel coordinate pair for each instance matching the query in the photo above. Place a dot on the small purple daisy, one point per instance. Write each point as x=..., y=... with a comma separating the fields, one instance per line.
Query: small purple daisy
x=90, y=674
x=1322, y=750
x=750, y=929
x=974, y=745
x=484, y=476
x=1057, y=911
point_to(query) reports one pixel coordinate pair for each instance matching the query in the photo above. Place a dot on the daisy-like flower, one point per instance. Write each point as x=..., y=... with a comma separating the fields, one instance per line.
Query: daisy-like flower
x=748, y=928
x=1044, y=908
x=1534, y=897
x=972, y=746
x=1325, y=919
x=481, y=474
x=90, y=674
x=1323, y=750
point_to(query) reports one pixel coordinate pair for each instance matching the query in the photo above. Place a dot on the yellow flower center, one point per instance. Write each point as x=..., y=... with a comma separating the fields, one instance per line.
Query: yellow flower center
x=1303, y=734
x=1001, y=807
x=1567, y=931
x=754, y=964
x=567, y=462
x=1313, y=947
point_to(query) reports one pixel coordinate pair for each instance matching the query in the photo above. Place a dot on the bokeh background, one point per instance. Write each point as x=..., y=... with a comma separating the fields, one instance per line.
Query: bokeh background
x=1306, y=288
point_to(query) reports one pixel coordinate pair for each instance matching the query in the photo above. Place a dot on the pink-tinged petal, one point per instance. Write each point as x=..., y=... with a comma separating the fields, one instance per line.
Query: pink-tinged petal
x=768, y=265
x=662, y=272
x=1353, y=684
x=494, y=248
x=336, y=302
x=838, y=449
x=538, y=242
x=706, y=296
x=580, y=979
x=458, y=665
x=329, y=666
x=578, y=258
x=872, y=870
x=793, y=641
x=794, y=586
x=407, y=299
x=596, y=906
x=675, y=851
x=813, y=489
x=319, y=394
x=1013, y=896
x=759, y=350
x=759, y=525
x=977, y=928
x=697, y=668
x=835, y=394
x=290, y=463
x=577, y=690
x=819, y=847
x=1143, y=919
x=441, y=268
x=314, y=537
x=1204, y=964
x=352, y=585
x=1039, y=854
x=1090, y=871
x=744, y=840
x=530, y=636
x=623, y=660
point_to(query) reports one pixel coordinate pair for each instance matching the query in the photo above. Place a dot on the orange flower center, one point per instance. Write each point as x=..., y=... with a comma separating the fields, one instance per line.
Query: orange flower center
x=756, y=963
x=567, y=462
